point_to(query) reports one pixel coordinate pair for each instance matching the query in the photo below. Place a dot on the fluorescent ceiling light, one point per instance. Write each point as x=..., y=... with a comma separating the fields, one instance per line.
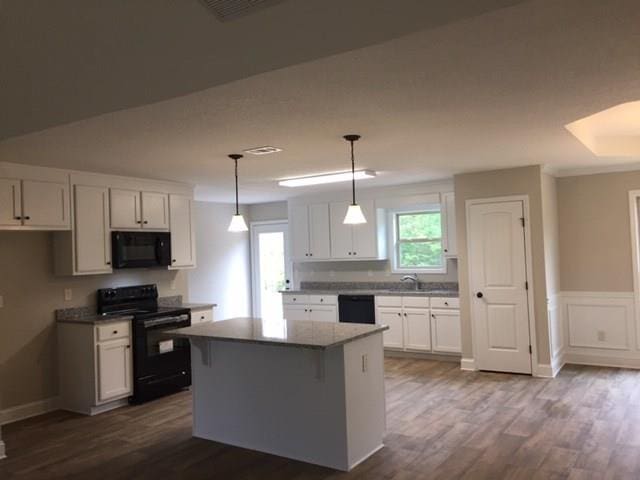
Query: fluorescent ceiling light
x=326, y=178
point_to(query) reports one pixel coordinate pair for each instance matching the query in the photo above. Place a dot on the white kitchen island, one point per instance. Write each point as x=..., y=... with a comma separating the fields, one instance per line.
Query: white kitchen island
x=309, y=391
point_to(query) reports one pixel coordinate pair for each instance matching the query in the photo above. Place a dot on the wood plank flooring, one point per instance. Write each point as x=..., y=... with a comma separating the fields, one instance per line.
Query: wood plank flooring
x=442, y=424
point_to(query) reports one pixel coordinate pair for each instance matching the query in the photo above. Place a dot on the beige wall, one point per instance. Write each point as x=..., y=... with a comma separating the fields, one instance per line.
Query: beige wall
x=595, y=238
x=31, y=293
x=515, y=181
x=261, y=212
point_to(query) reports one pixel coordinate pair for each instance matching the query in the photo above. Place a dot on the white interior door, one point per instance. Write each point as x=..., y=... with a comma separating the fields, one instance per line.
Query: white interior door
x=271, y=268
x=497, y=264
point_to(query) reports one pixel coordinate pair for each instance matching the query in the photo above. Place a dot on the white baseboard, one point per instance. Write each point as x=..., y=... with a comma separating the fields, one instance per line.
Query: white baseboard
x=3, y=451
x=20, y=412
x=468, y=364
x=602, y=361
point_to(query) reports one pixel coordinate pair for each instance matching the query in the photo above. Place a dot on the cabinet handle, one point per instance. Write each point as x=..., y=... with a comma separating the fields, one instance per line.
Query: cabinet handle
x=306, y=254
x=355, y=253
x=202, y=317
x=446, y=303
x=145, y=222
x=115, y=332
x=310, y=310
x=138, y=221
x=108, y=263
x=128, y=346
x=306, y=310
x=399, y=314
x=405, y=314
x=433, y=315
x=26, y=218
x=173, y=260
x=294, y=299
x=17, y=218
x=311, y=254
x=349, y=253
x=445, y=250
x=321, y=300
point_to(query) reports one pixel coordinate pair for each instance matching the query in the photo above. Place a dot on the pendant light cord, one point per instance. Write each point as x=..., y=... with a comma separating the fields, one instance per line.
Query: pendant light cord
x=237, y=211
x=353, y=175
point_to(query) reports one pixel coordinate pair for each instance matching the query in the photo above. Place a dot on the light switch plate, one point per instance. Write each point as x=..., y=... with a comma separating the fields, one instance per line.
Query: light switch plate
x=68, y=294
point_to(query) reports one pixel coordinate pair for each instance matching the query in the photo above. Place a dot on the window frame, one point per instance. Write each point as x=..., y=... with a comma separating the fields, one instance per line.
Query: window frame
x=394, y=240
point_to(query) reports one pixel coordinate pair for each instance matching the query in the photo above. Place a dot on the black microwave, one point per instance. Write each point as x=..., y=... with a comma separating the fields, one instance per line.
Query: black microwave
x=140, y=249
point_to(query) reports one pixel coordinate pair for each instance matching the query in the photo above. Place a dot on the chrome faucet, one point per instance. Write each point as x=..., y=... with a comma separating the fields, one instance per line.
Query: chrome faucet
x=413, y=278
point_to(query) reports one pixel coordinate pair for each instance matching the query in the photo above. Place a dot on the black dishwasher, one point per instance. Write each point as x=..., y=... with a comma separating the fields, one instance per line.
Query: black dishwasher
x=356, y=309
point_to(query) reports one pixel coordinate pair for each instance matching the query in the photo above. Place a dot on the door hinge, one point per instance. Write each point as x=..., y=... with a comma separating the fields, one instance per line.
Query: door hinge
x=530, y=350
x=522, y=221
x=526, y=285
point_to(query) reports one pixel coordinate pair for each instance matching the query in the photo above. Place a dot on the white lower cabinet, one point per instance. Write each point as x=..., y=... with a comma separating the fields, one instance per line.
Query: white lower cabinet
x=417, y=334
x=414, y=326
x=318, y=308
x=95, y=365
x=445, y=331
x=114, y=369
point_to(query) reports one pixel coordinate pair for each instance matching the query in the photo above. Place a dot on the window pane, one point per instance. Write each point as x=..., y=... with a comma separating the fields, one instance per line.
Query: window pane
x=420, y=254
x=419, y=225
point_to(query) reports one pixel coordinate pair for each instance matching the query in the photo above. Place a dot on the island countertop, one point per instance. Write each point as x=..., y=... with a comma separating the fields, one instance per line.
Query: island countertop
x=291, y=333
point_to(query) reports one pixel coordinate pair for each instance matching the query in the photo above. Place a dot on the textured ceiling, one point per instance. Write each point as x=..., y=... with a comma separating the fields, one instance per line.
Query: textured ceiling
x=486, y=91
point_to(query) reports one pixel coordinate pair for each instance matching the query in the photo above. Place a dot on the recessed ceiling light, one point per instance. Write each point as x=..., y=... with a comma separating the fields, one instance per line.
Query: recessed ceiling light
x=326, y=178
x=266, y=150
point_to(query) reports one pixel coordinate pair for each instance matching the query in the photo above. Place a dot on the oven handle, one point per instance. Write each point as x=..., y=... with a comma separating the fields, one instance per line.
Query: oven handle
x=154, y=322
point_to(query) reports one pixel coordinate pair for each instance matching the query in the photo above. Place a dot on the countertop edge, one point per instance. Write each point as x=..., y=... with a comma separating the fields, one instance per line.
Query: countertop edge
x=386, y=293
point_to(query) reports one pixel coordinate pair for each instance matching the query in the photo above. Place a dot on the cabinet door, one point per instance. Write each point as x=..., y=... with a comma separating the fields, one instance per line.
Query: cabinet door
x=155, y=210
x=45, y=205
x=450, y=244
x=295, y=312
x=92, y=238
x=183, y=246
x=445, y=331
x=125, y=209
x=341, y=234
x=323, y=313
x=319, y=231
x=299, y=229
x=392, y=317
x=365, y=235
x=417, y=332
x=10, y=203
x=114, y=369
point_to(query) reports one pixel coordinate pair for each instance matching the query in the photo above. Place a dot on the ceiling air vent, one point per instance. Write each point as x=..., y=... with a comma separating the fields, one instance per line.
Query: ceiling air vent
x=227, y=10
x=266, y=150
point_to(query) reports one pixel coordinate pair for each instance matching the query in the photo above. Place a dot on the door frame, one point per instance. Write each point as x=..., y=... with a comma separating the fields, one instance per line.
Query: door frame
x=288, y=268
x=528, y=268
x=634, y=222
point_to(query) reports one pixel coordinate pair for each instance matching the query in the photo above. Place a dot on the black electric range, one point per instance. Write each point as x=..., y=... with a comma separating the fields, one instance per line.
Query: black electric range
x=161, y=362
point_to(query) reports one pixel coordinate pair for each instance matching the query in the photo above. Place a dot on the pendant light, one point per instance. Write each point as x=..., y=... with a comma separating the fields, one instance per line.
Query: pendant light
x=354, y=214
x=237, y=221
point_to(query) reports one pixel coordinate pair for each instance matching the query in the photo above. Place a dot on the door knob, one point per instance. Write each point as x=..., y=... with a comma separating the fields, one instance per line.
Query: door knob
x=479, y=295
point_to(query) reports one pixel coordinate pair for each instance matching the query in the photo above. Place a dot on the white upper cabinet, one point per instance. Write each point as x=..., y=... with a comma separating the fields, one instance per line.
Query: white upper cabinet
x=125, y=209
x=450, y=244
x=132, y=209
x=309, y=227
x=92, y=242
x=155, y=210
x=10, y=203
x=354, y=242
x=34, y=204
x=183, y=251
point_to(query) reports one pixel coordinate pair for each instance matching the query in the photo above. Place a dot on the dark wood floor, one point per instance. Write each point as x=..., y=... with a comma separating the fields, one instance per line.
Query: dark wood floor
x=442, y=423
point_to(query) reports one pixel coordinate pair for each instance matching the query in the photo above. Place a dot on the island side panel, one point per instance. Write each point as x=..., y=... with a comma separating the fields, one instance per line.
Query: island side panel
x=365, y=397
x=281, y=400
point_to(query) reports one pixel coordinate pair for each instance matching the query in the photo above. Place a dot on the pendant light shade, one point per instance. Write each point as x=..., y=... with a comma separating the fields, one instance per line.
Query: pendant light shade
x=354, y=214
x=237, y=221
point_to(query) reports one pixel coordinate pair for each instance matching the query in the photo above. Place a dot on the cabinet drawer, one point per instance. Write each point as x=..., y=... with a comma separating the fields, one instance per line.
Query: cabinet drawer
x=113, y=330
x=445, y=302
x=293, y=299
x=201, y=316
x=388, y=301
x=415, y=302
x=322, y=299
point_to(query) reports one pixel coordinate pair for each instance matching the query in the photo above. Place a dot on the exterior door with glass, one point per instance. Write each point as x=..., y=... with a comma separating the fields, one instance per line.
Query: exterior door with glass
x=271, y=267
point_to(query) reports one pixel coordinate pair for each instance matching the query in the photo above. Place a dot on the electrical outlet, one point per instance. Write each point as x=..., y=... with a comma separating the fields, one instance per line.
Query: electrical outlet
x=68, y=294
x=1, y=301
x=365, y=362
x=601, y=335
x=369, y=273
x=173, y=284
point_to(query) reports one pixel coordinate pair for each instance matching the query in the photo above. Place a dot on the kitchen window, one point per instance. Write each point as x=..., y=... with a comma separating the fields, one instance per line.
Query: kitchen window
x=417, y=239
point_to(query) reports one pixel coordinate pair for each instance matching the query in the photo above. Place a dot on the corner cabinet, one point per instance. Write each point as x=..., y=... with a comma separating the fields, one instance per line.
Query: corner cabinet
x=318, y=233
x=34, y=204
x=183, y=245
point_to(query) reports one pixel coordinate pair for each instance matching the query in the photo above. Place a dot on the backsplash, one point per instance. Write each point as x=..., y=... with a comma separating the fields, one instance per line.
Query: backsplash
x=399, y=286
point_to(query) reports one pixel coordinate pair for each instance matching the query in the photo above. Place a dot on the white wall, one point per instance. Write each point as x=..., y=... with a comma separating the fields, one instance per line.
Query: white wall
x=223, y=274
x=261, y=212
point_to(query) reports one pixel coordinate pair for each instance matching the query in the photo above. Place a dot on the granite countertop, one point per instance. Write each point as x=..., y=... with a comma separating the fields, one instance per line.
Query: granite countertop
x=403, y=293
x=93, y=318
x=198, y=306
x=289, y=333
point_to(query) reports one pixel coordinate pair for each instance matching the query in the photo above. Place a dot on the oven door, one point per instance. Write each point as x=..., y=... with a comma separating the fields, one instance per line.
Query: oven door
x=162, y=362
x=140, y=249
